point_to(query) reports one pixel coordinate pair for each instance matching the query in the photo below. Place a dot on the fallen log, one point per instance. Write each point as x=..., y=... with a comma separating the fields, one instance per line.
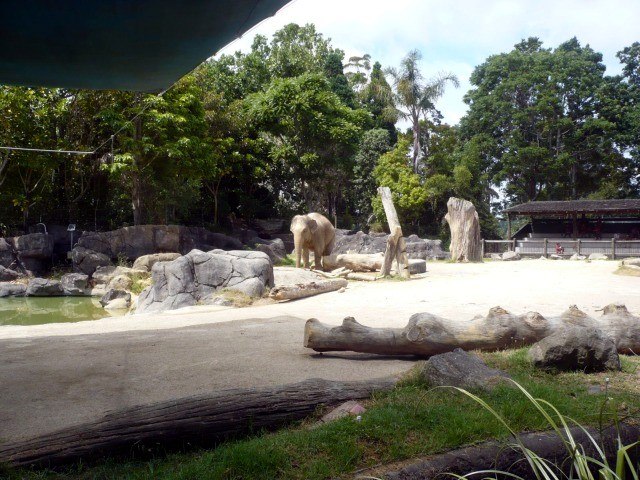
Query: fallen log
x=356, y=262
x=505, y=457
x=301, y=290
x=428, y=334
x=361, y=277
x=203, y=419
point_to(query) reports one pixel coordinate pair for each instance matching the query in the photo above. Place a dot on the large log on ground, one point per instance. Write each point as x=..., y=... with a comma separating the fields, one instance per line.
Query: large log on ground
x=203, y=419
x=396, y=246
x=301, y=290
x=466, y=242
x=428, y=334
x=505, y=457
x=356, y=262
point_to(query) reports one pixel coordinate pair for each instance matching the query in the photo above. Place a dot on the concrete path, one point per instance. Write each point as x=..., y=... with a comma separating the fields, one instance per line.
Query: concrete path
x=52, y=376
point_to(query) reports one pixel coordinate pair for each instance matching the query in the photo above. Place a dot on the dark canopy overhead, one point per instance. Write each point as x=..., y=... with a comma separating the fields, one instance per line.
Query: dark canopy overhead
x=143, y=45
x=587, y=207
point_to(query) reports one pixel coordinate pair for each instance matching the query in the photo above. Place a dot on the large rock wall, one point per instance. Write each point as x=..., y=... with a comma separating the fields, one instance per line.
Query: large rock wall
x=196, y=277
x=133, y=242
x=360, y=242
x=30, y=253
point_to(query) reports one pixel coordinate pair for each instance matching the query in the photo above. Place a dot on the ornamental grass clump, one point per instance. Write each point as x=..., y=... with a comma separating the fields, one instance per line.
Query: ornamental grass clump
x=581, y=466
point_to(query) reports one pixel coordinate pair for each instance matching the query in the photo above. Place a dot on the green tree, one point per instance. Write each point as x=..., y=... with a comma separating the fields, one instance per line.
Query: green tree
x=374, y=143
x=542, y=110
x=409, y=194
x=312, y=137
x=416, y=96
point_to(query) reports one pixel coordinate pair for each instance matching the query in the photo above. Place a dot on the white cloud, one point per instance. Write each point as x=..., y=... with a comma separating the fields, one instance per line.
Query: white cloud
x=457, y=35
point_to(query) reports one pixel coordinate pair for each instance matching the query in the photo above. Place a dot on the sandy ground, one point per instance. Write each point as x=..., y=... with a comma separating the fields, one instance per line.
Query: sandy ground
x=57, y=375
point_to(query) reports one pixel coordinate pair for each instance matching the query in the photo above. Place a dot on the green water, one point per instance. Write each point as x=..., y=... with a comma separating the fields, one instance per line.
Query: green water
x=39, y=310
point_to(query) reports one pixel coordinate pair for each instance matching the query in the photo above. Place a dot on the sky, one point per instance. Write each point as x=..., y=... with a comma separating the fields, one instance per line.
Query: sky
x=455, y=36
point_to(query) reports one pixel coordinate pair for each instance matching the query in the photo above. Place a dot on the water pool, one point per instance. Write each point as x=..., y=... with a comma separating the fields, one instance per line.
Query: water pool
x=40, y=310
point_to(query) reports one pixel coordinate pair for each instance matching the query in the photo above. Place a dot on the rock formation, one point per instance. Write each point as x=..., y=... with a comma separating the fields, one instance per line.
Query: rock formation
x=195, y=278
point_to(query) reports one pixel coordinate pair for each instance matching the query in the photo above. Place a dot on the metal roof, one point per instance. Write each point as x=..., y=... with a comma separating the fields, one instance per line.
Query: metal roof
x=142, y=45
x=627, y=206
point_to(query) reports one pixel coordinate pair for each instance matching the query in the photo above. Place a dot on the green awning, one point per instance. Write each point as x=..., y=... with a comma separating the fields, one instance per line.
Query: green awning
x=143, y=45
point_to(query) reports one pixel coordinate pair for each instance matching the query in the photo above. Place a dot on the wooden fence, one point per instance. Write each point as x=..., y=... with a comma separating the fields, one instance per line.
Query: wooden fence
x=544, y=247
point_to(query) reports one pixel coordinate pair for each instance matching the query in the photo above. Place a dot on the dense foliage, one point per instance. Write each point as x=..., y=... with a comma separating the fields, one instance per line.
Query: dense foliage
x=293, y=126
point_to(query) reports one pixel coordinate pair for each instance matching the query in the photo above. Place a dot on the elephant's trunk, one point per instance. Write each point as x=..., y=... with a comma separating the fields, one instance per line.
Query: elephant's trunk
x=297, y=246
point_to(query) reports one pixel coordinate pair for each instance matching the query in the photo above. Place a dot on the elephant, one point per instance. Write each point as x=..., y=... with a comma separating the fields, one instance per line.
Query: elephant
x=312, y=232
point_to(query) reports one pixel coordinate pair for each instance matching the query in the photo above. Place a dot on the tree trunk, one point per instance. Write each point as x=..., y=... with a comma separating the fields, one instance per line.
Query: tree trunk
x=136, y=174
x=396, y=246
x=356, y=262
x=202, y=419
x=428, y=334
x=416, y=142
x=301, y=290
x=465, y=231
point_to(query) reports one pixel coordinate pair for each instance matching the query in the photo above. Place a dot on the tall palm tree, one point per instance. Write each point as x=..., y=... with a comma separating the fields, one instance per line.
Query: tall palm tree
x=416, y=95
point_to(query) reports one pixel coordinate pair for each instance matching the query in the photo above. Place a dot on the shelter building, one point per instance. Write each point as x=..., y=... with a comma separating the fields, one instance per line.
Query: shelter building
x=577, y=226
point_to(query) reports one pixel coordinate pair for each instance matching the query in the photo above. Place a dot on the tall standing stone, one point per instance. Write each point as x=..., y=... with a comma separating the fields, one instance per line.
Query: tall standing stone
x=465, y=231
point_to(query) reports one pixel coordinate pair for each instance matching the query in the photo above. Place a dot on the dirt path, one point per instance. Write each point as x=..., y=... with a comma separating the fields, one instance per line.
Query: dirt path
x=58, y=375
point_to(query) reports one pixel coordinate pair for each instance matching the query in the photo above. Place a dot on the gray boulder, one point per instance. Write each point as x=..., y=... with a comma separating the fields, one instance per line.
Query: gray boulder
x=112, y=295
x=576, y=348
x=6, y=274
x=598, y=256
x=146, y=262
x=360, y=242
x=7, y=254
x=34, y=251
x=196, y=277
x=87, y=261
x=34, y=245
x=134, y=242
x=461, y=369
x=104, y=275
x=496, y=256
x=74, y=284
x=576, y=257
x=631, y=262
x=12, y=289
x=41, y=287
x=273, y=248
x=510, y=256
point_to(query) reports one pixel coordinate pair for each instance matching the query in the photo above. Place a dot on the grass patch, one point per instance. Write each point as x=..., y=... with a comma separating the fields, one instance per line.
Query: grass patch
x=238, y=298
x=627, y=271
x=140, y=281
x=412, y=420
x=288, y=261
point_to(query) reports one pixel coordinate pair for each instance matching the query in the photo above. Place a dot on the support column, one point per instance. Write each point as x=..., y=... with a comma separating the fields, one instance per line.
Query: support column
x=508, y=226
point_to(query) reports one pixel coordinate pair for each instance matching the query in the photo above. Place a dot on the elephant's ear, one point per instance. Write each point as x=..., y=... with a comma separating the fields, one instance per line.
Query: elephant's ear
x=313, y=226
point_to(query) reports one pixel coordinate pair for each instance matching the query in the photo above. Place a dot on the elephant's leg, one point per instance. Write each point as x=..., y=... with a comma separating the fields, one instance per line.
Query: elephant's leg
x=317, y=255
x=305, y=258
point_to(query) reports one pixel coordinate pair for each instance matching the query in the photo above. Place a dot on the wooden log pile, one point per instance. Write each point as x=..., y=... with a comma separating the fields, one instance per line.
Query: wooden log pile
x=427, y=334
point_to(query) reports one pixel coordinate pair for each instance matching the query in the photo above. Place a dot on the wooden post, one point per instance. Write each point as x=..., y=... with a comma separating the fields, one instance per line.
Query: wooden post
x=513, y=245
x=396, y=246
x=483, y=248
x=613, y=248
x=546, y=247
x=578, y=245
x=508, y=226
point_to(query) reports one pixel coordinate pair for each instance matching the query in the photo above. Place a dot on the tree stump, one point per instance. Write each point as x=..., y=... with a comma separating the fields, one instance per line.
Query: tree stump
x=465, y=231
